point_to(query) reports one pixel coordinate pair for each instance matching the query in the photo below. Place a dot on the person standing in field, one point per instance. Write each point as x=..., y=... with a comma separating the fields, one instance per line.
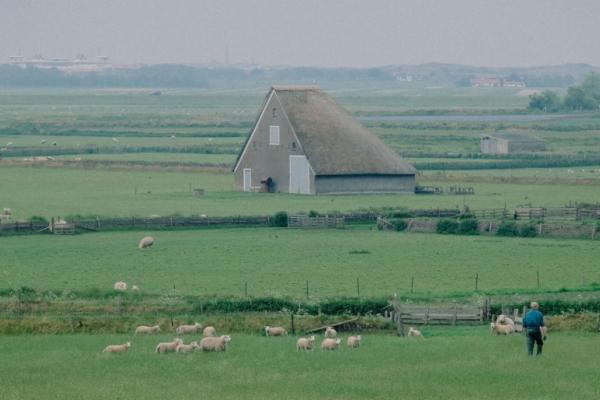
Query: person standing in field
x=533, y=322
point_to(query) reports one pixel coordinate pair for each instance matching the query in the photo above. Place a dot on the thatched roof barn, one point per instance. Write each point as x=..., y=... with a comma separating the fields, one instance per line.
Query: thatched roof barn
x=303, y=142
x=511, y=142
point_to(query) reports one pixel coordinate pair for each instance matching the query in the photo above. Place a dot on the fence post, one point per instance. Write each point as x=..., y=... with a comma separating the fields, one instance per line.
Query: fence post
x=477, y=281
x=246, y=288
x=412, y=284
x=293, y=326
x=307, y=288
x=357, y=287
x=538, y=278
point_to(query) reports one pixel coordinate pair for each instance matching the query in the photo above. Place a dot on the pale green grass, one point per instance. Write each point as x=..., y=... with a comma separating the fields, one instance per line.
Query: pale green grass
x=58, y=192
x=157, y=157
x=463, y=364
x=279, y=261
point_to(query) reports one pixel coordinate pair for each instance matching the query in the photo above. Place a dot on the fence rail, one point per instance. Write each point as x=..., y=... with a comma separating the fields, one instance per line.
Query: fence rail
x=306, y=222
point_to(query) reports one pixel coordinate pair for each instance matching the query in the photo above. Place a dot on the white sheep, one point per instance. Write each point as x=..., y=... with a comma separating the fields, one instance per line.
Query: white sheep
x=215, y=343
x=186, y=329
x=354, y=341
x=330, y=344
x=167, y=347
x=305, y=343
x=120, y=286
x=209, y=331
x=115, y=140
x=412, y=332
x=500, y=329
x=330, y=332
x=275, y=331
x=146, y=242
x=7, y=211
x=147, y=330
x=42, y=141
x=135, y=288
x=187, y=348
x=504, y=320
x=117, y=348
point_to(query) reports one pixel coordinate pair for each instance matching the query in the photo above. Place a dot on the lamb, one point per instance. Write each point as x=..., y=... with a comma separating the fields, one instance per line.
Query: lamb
x=147, y=330
x=305, y=343
x=187, y=348
x=209, y=331
x=330, y=344
x=330, y=332
x=117, y=348
x=215, y=343
x=120, y=286
x=500, y=329
x=354, y=341
x=168, y=347
x=275, y=331
x=412, y=332
x=184, y=329
x=146, y=242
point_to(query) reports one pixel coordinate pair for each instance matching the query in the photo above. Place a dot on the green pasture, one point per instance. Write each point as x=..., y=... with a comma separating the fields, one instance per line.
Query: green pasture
x=572, y=173
x=448, y=364
x=199, y=158
x=52, y=192
x=279, y=261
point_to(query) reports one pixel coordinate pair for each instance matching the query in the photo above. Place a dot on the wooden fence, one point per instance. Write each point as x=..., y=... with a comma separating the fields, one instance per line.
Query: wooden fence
x=404, y=315
x=306, y=222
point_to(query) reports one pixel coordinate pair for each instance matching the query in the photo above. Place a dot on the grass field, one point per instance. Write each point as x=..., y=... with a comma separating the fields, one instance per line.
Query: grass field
x=53, y=192
x=278, y=262
x=450, y=364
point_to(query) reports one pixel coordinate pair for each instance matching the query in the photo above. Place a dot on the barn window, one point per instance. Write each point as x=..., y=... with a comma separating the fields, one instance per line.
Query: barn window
x=274, y=135
x=274, y=112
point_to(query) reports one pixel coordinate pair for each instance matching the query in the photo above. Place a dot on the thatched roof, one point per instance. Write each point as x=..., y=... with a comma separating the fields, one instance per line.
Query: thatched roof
x=333, y=141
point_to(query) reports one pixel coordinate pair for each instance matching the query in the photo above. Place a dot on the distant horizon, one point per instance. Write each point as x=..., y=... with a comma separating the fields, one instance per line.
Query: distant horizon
x=312, y=33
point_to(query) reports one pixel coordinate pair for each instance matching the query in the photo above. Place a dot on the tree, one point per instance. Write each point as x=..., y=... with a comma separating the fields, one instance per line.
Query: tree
x=547, y=101
x=578, y=98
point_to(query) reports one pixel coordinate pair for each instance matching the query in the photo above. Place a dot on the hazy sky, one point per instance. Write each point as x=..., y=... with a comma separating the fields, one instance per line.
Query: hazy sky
x=356, y=33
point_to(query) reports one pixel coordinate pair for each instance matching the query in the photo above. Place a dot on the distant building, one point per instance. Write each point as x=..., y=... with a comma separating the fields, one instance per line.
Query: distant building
x=511, y=142
x=486, y=82
x=496, y=82
x=303, y=142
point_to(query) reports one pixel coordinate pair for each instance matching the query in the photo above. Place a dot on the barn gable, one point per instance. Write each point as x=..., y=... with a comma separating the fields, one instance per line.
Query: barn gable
x=321, y=149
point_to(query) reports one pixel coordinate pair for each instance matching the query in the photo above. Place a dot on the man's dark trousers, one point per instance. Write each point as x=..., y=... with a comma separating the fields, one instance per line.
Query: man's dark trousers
x=534, y=336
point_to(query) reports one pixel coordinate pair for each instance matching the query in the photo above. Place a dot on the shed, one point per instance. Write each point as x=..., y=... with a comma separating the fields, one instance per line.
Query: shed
x=511, y=142
x=303, y=142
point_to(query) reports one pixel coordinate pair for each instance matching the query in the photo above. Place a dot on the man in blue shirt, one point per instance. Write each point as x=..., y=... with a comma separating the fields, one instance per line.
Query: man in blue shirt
x=536, y=331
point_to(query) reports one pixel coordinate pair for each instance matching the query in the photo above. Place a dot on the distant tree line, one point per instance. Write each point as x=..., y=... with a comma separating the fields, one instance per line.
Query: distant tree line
x=170, y=75
x=584, y=97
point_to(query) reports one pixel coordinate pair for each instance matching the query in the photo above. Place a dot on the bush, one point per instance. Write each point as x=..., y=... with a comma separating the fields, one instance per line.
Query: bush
x=469, y=226
x=280, y=219
x=36, y=219
x=313, y=213
x=447, y=226
x=528, y=231
x=400, y=225
x=507, y=228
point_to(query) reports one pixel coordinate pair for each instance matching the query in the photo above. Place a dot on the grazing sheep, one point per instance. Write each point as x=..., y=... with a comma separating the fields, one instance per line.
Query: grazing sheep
x=185, y=329
x=305, y=343
x=135, y=288
x=330, y=332
x=412, y=332
x=115, y=140
x=42, y=141
x=504, y=320
x=117, y=348
x=354, y=341
x=7, y=211
x=330, y=344
x=146, y=242
x=209, y=331
x=120, y=286
x=173, y=137
x=147, y=330
x=54, y=143
x=500, y=329
x=168, y=347
x=186, y=348
x=215, y=343
x=275, y=331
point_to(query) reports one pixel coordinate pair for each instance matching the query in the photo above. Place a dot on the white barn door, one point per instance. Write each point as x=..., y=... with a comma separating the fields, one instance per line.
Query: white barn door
x=299, y=175
x=247, y=179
